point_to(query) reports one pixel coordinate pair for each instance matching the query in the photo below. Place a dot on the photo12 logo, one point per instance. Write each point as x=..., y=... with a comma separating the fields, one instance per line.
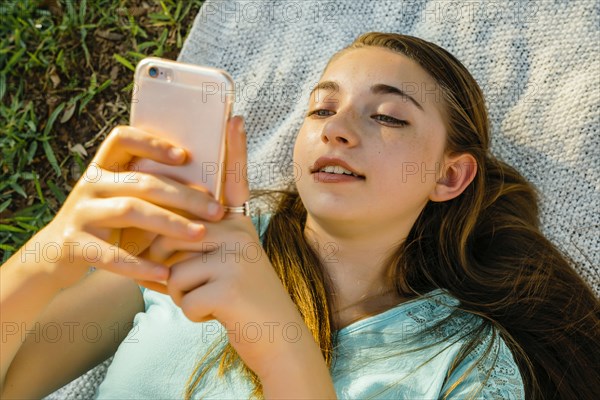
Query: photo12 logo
x=452, y=12
x=285, y=12
x=252, y=332
x=69, y=332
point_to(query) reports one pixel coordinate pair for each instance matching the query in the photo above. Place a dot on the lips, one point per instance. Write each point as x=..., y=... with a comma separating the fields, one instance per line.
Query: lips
x=323, y=162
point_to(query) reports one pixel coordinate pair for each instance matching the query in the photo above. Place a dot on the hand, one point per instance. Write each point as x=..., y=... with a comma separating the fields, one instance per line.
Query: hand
x=110, y=205
x=227, y=276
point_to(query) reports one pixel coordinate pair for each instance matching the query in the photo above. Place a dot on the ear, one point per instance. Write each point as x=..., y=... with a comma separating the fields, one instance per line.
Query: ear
x=458, y=172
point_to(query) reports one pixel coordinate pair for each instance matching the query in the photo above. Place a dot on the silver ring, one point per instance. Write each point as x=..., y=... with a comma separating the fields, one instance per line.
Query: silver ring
x=243, y=209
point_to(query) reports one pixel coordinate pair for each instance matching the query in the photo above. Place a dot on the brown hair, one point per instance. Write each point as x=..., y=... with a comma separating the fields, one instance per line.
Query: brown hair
x=484, y=247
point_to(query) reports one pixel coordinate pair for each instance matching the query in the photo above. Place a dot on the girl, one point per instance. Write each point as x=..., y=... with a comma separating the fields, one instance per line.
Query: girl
x=406, y=262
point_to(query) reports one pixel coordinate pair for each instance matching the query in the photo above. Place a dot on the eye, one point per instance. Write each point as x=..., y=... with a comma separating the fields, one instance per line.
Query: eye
x=390, y=120
x=379, y=117
x=320, y=113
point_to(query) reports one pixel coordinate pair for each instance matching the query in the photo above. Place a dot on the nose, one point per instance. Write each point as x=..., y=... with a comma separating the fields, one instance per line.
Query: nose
x=339, y=130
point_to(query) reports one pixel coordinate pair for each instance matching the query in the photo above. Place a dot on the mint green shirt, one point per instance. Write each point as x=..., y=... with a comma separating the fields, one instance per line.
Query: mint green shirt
x=160, y=352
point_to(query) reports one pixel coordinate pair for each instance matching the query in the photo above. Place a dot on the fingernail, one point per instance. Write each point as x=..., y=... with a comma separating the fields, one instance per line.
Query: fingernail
x=214, y=208
x=194, y=229
x=176, y=153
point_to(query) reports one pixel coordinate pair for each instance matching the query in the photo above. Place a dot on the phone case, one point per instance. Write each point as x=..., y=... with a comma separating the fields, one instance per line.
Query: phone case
x=189, y=105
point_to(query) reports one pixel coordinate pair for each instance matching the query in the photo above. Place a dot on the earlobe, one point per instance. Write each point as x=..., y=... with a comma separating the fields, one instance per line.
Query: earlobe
x=458, y=172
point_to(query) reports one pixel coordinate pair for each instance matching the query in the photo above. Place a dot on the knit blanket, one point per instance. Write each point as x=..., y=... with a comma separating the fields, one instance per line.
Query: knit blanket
x=536, y=61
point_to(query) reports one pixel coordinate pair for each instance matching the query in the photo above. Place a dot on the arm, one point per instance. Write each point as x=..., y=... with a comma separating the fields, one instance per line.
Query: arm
x=18, y=280
x=105, y=300
x=300, y=372
x=227, y=276
x=55, y=258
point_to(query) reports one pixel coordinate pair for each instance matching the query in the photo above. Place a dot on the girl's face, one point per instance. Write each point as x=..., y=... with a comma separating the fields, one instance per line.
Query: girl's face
x=362, y=119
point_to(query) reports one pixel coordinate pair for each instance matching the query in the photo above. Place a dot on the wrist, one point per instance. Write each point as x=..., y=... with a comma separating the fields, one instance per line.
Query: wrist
x=46, y=255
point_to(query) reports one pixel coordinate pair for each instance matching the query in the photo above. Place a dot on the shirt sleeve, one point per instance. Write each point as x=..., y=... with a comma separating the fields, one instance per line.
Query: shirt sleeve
x=261, y=222
x=486, y=375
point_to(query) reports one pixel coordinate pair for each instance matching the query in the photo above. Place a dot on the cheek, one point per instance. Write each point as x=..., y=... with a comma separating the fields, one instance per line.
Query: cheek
x=407, y=165
x=303, y=143
x=395, y=153
x=299, y=145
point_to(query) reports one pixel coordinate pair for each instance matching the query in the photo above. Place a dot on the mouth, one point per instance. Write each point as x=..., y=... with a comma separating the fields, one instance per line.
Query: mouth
x=329, y=167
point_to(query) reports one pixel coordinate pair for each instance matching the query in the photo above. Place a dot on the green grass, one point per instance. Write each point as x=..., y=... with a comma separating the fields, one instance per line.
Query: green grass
x=65, y=82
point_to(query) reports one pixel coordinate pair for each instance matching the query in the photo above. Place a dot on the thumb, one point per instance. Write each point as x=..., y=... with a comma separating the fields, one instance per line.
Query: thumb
x=235, y=189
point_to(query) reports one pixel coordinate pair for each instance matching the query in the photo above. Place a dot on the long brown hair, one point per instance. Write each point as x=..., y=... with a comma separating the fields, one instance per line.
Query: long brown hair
x=484, y=247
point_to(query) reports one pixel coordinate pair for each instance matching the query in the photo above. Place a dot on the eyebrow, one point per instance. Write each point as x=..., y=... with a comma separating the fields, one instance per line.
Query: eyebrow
x=379, y=88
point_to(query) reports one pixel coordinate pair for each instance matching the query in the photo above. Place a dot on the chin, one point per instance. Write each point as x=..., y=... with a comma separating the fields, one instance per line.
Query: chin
x=334, y=211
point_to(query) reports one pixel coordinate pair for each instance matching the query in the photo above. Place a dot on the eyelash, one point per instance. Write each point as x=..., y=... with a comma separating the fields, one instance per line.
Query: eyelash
x=391, y=120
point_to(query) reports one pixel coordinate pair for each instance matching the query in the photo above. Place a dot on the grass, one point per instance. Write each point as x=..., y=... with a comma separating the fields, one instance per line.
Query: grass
x=66, y=70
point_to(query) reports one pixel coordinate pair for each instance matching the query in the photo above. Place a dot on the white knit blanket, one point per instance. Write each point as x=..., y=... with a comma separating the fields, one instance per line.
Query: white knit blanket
x=536, y=61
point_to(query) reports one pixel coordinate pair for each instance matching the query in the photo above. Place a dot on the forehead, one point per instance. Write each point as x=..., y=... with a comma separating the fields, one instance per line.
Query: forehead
x=357, y=69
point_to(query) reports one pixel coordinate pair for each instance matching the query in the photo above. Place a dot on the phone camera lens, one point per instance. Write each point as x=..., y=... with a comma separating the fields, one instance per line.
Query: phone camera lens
x=153, y=72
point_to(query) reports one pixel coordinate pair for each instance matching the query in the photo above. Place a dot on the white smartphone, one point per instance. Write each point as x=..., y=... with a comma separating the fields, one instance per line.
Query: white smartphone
x=189, y=105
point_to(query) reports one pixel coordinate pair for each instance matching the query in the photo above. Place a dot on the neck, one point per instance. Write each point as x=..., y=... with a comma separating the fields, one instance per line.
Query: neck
x=355, y=260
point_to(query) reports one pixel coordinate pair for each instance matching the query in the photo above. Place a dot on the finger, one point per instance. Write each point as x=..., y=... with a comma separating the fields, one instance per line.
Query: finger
x=163, y=247
x=124, y=212
x=236, y=190
x=188, y=275
x=200, y=304
x=142, y=238
x=157, y=287
x=216, y=235
x=161, y=286
x=125, y=142
x=112, y=258
x=162, y=191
